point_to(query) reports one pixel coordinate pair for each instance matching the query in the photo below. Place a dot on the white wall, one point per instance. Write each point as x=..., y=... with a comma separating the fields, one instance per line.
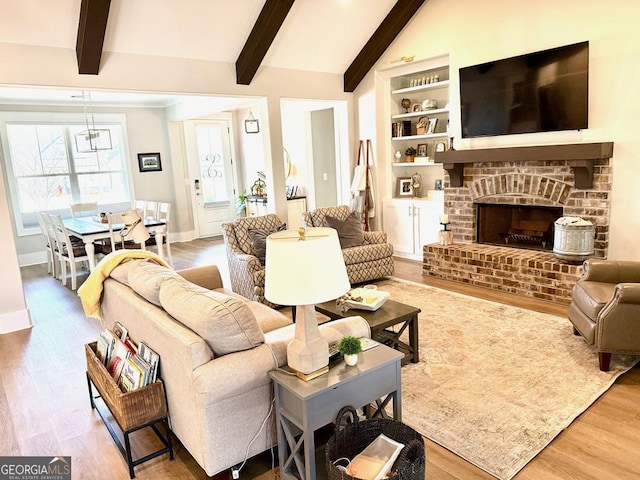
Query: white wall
x=147, y=131
x=473, y=32
x=14, y=314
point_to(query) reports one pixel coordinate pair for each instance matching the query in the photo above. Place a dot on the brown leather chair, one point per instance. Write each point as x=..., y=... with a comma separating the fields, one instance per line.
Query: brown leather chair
x=605, y=308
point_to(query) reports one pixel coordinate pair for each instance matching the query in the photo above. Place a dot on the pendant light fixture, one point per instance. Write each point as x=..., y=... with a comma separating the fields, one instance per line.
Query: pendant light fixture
x=92, y=139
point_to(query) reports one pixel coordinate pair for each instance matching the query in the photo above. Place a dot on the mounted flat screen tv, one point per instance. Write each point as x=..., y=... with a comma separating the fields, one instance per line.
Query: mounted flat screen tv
x=544, y=91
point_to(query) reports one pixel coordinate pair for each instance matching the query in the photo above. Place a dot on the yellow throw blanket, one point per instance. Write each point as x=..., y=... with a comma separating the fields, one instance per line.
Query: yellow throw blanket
x=90, y=292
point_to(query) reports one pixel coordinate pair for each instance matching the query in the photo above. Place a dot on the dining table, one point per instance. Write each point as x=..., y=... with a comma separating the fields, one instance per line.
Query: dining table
x=90, y=230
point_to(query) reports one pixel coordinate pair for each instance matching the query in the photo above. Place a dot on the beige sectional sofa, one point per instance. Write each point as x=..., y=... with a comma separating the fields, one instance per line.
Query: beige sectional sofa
x=216, y=350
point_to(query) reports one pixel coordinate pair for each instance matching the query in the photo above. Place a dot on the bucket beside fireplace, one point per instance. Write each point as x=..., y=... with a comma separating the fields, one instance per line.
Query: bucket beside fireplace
x=573, y=239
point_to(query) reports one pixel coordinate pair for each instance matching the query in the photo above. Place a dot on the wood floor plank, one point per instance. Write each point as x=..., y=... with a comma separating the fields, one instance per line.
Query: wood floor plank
x=44, y=404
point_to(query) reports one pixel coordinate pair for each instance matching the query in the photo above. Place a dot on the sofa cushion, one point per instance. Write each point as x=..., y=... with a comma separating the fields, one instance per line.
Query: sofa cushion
x=267, y=317
x=238, y=230
x=121, y=272
x=350, y=231
x=146, y=277
x=225, y=323
x=258, y=238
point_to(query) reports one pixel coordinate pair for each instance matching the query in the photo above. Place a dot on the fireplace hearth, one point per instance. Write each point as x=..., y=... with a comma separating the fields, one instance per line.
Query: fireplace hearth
x=518, y=226
x=564, y=180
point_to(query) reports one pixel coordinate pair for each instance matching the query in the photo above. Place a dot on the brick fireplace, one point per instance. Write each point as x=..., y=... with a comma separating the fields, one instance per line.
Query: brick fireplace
x=560, y=180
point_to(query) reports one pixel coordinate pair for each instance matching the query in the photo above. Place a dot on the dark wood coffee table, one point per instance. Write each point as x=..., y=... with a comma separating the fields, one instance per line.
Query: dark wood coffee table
x=390, y=314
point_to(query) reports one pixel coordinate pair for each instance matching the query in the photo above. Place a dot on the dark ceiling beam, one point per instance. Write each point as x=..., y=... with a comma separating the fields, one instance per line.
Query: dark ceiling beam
x=91, y=29
x=264, y=31
x=386, y=33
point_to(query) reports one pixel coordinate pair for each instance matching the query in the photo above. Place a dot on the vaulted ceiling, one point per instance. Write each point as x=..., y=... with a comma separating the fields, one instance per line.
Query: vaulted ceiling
x=335, y=36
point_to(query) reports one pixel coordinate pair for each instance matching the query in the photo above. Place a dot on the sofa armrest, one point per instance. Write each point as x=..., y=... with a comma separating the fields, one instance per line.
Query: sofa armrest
x=375, y=237
x=611, y=271
x=207, y=276
x=618, y=323
x=627, y=293
x=232, y=375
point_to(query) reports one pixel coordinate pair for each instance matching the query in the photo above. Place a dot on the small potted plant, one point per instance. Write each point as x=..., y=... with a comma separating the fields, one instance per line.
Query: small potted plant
x=350, y=347
x=410, y=153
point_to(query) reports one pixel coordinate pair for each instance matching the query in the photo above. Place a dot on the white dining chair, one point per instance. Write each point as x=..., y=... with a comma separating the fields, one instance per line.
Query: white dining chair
x=68, y=251
x=164, y=214
x=151, y=210
x=141, y=206
x=87, y=209
x=50, y=244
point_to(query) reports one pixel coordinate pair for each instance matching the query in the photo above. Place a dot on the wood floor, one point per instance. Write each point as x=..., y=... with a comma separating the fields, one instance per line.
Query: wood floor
x=44, y=405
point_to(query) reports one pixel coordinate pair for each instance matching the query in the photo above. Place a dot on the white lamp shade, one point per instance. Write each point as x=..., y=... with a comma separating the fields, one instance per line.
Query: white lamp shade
x=305, y=272
x=135, y=227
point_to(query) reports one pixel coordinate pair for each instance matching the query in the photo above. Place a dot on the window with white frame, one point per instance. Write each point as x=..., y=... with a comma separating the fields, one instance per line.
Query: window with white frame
x=48, y=169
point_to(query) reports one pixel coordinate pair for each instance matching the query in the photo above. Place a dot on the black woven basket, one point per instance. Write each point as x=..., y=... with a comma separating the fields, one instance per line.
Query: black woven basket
x=352, y=436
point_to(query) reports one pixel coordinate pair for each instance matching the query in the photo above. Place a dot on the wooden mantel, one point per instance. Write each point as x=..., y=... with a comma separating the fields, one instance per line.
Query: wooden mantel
x=580, y=156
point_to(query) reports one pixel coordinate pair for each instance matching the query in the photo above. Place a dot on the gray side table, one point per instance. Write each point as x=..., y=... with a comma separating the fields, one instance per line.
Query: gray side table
x=303, y=407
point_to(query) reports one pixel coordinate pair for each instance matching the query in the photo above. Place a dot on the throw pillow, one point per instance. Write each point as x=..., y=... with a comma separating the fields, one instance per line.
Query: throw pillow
x=258, y=238
x=226, y=323
x=350, y=231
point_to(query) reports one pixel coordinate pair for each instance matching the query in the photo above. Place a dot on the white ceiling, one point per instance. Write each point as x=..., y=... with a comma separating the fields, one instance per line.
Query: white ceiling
x=317, y=35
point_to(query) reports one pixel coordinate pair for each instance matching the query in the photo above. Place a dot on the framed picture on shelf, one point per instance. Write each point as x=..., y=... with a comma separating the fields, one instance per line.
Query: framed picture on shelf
x=149, y=162
x=404, y=187
x=441, y=145
x=431, y=128
x=421, y=151
x=416, y=107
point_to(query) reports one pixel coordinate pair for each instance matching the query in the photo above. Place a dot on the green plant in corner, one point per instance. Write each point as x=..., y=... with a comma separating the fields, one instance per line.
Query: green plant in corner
x=350, y=346
x=241, y=204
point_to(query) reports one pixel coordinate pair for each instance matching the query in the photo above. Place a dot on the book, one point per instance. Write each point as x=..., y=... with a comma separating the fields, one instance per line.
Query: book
x=130, y=376
x=152, y=357
x=131, y=346
x=110, y=341
x=310, y=376
x=375, y=461
x=104, y=346
x=120, y=331
x=367, y=343
x=116, y=360
x=144, y=367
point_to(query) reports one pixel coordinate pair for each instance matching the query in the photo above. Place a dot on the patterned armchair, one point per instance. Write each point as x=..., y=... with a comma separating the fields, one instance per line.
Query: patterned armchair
x=369, y=261
x=246, y=271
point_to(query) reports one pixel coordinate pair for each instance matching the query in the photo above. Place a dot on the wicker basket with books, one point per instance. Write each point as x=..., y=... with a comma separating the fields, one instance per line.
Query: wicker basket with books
x=130, y=409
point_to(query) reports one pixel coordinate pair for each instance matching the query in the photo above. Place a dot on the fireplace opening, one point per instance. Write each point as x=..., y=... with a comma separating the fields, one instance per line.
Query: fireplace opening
x=518, y=226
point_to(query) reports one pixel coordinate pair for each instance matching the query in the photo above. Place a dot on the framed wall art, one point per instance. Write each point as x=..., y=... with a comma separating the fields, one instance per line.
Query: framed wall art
x=404, y=187
x=421, y=151
x=149, y=162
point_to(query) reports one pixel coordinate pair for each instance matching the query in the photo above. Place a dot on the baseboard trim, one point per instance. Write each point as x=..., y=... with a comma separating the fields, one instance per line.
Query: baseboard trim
x=15, y=321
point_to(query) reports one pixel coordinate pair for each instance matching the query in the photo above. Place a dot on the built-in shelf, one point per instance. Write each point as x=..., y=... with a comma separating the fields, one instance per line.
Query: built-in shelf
x=420, y=88
x=415, y=137
x=416, y=164
x=580, y=156
x=421, y=113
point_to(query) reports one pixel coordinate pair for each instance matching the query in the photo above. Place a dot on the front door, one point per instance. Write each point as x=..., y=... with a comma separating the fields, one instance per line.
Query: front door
x=208, y=146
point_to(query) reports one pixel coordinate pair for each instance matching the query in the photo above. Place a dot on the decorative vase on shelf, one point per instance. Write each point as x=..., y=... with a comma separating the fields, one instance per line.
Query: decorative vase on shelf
x=410, y=154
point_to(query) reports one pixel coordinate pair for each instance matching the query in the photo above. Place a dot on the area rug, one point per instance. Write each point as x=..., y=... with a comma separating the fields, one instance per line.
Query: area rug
x=495, y=384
